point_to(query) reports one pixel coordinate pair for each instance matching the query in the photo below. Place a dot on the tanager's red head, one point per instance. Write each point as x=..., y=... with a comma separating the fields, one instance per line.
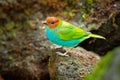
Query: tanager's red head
x=52, y=22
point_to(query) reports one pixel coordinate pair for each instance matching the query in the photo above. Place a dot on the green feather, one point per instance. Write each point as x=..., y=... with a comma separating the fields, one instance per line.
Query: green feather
x=67, y=31
x=96, y=36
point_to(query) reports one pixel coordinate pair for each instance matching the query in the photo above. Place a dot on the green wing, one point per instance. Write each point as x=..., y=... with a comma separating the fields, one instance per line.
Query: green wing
x=67, y=31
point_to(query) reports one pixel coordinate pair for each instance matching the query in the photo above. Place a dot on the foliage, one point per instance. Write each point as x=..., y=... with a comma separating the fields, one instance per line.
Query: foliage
x=101, y=68
x=87, y=8
x=70, y=12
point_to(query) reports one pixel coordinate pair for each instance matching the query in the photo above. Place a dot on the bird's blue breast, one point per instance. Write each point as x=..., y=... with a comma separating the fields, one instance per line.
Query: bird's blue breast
x=53, y=37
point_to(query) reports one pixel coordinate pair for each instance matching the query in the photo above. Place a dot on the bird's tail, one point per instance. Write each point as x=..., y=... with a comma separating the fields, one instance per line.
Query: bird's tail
x=96, y=36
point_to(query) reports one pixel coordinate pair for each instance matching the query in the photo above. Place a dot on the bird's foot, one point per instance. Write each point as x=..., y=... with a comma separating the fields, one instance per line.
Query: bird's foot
x=57, y=47
x=62, y=54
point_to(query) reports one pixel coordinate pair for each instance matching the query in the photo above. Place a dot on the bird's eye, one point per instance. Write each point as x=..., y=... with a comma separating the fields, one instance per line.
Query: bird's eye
x=52, y=22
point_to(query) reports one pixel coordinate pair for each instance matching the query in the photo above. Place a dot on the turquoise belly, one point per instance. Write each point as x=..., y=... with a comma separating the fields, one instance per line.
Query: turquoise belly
x=56, y=39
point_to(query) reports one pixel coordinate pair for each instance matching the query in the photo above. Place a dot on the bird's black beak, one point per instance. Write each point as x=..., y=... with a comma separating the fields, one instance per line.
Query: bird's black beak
x=44, y=22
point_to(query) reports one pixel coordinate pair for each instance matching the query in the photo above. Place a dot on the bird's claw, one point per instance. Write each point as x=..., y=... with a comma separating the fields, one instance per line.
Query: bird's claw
x=57, y=47
x=62, y=54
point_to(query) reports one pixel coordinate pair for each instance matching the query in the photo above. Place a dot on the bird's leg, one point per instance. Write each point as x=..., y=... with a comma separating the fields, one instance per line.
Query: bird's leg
x=56, y=47
x=64, y=54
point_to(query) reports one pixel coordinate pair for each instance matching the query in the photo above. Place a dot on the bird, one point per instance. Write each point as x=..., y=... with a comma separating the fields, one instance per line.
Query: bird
x=66, y=34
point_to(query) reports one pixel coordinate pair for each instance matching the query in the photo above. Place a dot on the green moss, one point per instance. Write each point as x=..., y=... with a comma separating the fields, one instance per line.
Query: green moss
x=9, y=30
x=87, y=8
x=84, y=16
x=101, y=67
x=10, y=57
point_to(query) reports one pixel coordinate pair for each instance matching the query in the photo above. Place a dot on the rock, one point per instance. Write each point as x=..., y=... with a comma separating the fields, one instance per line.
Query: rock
x=109, y=28
x=30, y=64
x=15, y=66
x=76, y=66
x=25, y=57
x=108, y=68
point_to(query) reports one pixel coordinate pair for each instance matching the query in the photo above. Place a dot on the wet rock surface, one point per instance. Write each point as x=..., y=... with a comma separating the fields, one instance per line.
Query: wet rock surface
x=76, y=66
x=25, y=58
